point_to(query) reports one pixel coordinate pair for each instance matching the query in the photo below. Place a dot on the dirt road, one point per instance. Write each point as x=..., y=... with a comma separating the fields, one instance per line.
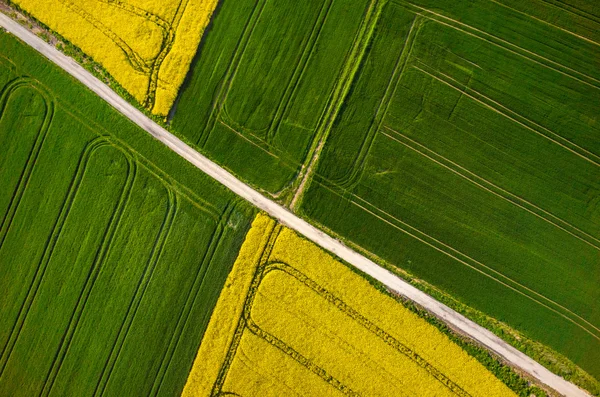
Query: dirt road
x=394, y=283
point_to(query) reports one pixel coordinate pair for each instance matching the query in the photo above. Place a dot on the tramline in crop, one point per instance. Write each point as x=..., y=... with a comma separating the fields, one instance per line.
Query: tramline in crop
x=148, y=49
x=292, y=317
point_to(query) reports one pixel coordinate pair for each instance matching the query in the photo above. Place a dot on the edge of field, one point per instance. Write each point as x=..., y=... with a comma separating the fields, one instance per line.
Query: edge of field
x=55, y=39
x=518, y=381
x=158, y=161
x=552, y=360
x=546, y=356
x=63, y=45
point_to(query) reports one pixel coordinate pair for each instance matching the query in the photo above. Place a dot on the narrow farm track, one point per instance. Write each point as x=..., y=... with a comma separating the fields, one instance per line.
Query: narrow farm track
x=287, y=218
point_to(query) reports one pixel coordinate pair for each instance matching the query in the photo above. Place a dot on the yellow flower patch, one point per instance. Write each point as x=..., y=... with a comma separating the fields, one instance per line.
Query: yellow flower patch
x=294, y=320
x=146, y=45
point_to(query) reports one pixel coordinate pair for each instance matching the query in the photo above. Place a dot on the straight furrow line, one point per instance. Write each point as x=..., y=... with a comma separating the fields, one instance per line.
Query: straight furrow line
x=57, y=229
x=546, y=22
x=192, y=296
x=157, y=250
x=224, y=88
x=99, y=261
x=290, y=90
x=506, y=45
x=339, y=94
x=454, y=253
x=346, y=194
x=243, y=136
x=492, y=188
x=263, y=145
x=572, y=10
x=349, y=180
x=513, y=116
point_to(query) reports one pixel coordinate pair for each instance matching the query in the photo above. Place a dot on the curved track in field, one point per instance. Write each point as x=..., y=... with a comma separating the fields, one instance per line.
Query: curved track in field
x=391, y=281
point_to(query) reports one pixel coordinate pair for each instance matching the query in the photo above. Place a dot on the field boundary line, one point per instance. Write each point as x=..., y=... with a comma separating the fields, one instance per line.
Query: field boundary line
x=155, y=255
x=251, y=326
x=313, y=149
x=269, y=236
x=506, y=45
x=135, y=61
x=246, y=323
x=352, y=177
x=288, y=97
x=464, y=262
x=336, y=98
x=513, y=116
x=287, y=218
x=147, y=67
x=165, y=50
x=100, y=258
x=166, y=45
x=491, y=187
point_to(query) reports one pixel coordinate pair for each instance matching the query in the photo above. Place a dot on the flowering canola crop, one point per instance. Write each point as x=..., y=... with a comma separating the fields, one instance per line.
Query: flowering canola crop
x=146, y=45
x=294, y=320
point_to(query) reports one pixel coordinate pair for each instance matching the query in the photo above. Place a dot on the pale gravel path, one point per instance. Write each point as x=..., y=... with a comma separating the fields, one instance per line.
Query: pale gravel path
x=394, y=283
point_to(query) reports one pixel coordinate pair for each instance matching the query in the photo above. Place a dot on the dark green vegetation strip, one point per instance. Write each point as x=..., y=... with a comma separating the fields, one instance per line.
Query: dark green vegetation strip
x=113, y=249
x=468, y=153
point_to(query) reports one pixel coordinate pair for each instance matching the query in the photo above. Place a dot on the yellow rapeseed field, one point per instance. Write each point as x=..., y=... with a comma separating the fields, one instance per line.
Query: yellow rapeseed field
x=146, y=45
x=291, y=319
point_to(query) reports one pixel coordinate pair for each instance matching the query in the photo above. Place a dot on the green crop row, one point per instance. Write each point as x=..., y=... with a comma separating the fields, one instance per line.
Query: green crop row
x=113, y=249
